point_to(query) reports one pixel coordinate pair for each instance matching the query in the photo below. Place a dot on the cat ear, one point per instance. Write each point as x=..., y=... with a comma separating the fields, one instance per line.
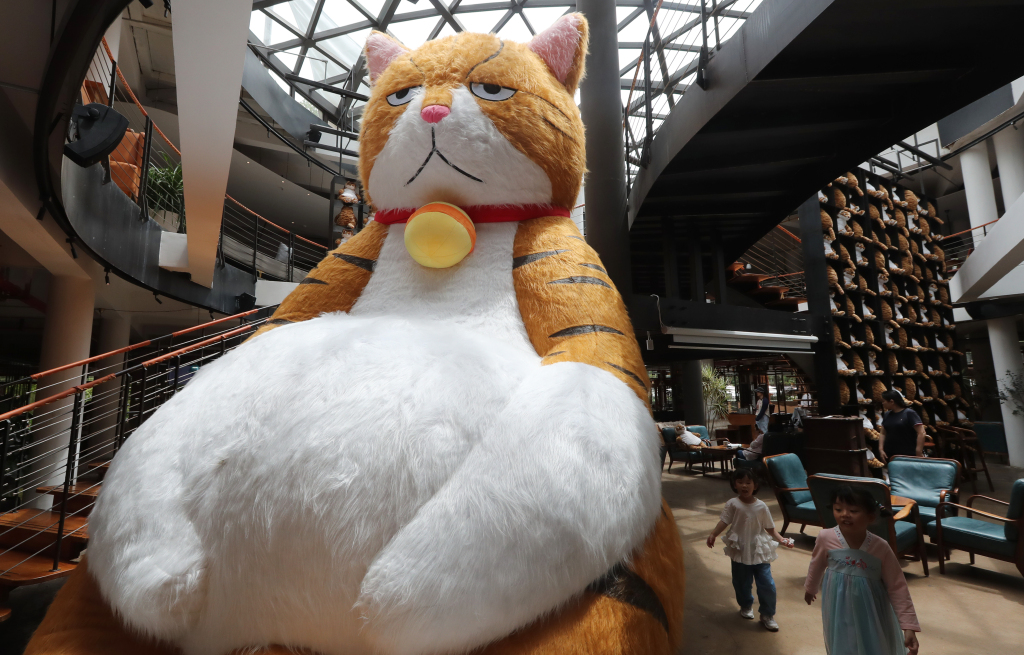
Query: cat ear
x=563, y=47
x=381, y=50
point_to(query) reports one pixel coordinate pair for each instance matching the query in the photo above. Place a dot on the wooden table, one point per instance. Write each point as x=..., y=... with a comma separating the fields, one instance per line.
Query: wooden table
x=722, y=454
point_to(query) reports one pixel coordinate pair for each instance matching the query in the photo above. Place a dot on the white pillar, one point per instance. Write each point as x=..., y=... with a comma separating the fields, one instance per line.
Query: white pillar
x=115, y=333
x=978, y=187
x=209, y=54
x=1007, y=362
x=1009, y=145
x=1002, y=332
x=67, y=333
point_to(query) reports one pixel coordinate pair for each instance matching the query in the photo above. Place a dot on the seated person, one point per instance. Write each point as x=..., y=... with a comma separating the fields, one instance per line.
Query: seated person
x=753, y=451
x=687, y=438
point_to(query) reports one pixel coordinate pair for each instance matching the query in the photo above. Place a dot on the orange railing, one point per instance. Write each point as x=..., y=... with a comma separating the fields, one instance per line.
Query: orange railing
x=50, y=446
x=247, y=238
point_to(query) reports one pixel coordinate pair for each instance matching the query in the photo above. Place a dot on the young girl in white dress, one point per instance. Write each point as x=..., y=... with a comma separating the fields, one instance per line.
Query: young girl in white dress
x=750, y=543
x=865, y=604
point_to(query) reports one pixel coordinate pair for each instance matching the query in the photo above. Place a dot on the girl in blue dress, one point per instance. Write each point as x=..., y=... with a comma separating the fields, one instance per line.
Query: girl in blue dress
x=865, y=604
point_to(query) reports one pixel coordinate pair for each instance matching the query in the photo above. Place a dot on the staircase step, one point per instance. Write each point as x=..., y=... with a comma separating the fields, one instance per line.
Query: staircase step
x=748, y=279
x=18, y=567
x=792, y=303
x=81, y=496
x=35, y=531
x=99, y=467
x=768, y=294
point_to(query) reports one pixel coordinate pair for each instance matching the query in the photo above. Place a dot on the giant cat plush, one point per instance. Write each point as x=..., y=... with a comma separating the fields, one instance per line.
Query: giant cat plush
x=409, y=459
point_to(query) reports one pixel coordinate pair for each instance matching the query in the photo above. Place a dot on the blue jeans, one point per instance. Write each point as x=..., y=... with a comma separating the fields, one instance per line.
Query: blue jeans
x=744, y=575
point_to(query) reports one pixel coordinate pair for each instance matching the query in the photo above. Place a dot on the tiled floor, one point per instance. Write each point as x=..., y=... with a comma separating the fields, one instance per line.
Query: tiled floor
x=972, y=609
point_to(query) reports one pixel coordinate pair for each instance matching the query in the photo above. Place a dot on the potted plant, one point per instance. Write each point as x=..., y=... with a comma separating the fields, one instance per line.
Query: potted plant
x=716, y=396
x=165, y=194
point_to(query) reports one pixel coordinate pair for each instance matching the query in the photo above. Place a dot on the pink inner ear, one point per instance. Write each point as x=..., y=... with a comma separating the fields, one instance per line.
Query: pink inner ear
x=557, y=45
x=381, y=50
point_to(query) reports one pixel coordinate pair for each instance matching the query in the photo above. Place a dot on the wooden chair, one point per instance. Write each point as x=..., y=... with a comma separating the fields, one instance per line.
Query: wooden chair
x=928, y=481
x=905, y=537
x=968, y=453
x=788, y=480
x=1000, y=541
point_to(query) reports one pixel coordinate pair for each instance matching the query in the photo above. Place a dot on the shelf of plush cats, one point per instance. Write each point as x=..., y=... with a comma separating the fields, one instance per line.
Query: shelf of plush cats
x=348, y=211
x=892, y=320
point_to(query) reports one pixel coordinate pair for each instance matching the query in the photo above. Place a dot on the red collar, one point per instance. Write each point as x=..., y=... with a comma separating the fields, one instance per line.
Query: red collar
x=482, y=213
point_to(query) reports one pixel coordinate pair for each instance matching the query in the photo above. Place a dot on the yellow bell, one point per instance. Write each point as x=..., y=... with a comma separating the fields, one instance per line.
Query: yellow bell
x=439, y=235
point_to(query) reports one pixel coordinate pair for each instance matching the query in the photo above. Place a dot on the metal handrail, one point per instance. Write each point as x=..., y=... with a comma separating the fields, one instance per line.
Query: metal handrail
x=150, y=124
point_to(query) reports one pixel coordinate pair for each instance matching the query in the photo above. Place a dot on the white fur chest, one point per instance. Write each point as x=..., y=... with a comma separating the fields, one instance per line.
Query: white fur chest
x=249, y=508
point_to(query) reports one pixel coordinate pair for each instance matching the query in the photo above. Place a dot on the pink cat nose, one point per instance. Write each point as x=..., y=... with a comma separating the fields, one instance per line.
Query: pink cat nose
x=434, y=113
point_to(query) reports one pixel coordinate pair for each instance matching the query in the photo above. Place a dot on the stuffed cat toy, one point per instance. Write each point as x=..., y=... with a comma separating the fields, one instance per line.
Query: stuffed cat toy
x=410, y=457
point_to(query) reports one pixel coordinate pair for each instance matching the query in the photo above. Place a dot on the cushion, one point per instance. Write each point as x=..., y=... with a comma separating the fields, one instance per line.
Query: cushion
x=804, y=512
x=962, y=532
x=1014, y=511
x=787, y=472
x=906, y=535
x=699, y=430
x=921, y=479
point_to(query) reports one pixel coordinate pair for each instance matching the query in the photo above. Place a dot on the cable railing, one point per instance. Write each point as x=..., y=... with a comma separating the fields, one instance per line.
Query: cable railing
x=60, y=428
x=146, y=166
x=957, y=247
x=679, y=43
x=778, y=255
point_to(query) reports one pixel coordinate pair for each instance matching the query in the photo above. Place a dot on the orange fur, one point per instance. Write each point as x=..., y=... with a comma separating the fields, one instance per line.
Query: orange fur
x=541, y=120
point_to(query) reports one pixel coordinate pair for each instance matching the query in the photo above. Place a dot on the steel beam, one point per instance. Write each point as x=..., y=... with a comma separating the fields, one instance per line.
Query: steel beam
x=819, y=305
x=601, y=108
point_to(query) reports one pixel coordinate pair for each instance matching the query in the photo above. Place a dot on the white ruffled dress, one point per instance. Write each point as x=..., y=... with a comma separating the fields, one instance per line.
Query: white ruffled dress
x=746, y=541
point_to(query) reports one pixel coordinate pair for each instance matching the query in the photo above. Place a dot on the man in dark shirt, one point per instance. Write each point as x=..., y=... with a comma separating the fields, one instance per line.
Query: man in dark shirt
x=902, y=430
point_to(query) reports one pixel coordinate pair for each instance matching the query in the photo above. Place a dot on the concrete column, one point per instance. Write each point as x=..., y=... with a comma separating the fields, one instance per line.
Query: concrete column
x=209, y=55
x=978, y=187
x=67, y=333
x=1006, y=360
x=1002, y=332
x=115, y=333
x=690, y=391
x=1009, y=145
x=601, y=109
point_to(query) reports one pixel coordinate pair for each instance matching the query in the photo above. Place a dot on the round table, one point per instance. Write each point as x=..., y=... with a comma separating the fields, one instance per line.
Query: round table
x=723, y=454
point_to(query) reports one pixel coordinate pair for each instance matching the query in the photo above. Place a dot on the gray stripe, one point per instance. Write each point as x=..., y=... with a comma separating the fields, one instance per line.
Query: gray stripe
x=279, y=321
x=529, y=259
x=626, y=586
x=629, y=373
x=361, y=262
x=581, y=279
x=583, y=329
x=557, y=352
x=595, y=267
x=312, y=280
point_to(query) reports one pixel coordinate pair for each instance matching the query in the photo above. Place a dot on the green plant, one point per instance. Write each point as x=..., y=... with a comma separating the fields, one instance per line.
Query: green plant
x=166, y=190
x=716, y=396
x=1011, y=390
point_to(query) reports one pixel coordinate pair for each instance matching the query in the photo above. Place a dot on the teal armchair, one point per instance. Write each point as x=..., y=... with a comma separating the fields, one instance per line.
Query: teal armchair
x=1000, y=540
x=788, y=479
x=904, y=537
x=677, y=452
x=927, y=481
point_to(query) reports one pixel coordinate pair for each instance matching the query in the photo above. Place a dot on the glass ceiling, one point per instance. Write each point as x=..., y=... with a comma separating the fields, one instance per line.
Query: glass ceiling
x=322, y=40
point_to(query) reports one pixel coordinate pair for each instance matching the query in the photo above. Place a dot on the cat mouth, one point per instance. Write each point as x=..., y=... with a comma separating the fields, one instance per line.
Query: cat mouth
x=430, y=155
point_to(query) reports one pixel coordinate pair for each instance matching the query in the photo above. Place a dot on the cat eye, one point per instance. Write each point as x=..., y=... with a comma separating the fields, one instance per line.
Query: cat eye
x=491, y=92
x=399, y=98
